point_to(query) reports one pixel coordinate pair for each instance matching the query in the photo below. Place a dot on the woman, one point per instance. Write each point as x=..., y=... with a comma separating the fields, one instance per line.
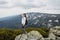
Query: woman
x=24, y=22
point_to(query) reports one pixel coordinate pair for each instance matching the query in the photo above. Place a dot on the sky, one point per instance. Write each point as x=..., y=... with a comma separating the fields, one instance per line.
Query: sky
x=16, y=7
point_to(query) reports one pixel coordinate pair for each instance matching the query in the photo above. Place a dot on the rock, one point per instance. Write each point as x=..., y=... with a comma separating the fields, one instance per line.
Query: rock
x=42, y=38
x=52, y=36
x=21, y=37
x=33, y=35
x=54, y=33
x=47, y=38
x=58, y=38
x=55, y=30
x=18, y=37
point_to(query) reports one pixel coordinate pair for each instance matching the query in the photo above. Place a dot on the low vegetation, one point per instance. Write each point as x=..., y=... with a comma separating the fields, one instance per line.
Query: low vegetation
x=10, y=34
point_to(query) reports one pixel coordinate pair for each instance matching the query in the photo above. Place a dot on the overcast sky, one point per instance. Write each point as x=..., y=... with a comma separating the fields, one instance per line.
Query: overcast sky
x=15, y=7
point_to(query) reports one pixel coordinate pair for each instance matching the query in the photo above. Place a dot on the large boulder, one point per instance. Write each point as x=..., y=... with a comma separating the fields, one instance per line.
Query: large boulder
x=33, y=35
x=52, y=36
x=54, y=33
x=21, y=37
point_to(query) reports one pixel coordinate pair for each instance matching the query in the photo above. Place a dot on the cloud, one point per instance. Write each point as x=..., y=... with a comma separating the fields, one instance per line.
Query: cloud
x=49, y=4
x=2, y=2
x=14, y=7
x=31, y=3
x=27, y=4
x=54, y=4
x=7, y=3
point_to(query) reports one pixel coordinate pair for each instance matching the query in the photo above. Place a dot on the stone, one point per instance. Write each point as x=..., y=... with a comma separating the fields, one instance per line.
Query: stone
x=47, y=38
x=54, y=33
x=21, y=37
x=33, y=35
x=52, y=36
x=58, y=38
x=17, y=37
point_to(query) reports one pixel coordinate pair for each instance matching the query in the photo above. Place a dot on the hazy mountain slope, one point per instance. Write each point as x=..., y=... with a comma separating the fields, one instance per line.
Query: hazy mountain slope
x=35, y=19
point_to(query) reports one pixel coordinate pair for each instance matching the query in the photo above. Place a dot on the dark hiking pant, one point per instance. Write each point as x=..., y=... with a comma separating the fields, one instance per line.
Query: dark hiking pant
x=24, y=29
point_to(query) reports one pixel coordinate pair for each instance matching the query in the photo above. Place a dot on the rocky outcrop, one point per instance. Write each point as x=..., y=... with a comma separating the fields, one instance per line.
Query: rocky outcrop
x=33, y=35
x=21, y=37
x=54, y=34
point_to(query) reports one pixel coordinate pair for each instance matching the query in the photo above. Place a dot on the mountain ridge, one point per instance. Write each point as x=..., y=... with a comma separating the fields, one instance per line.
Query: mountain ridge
x=35, y=19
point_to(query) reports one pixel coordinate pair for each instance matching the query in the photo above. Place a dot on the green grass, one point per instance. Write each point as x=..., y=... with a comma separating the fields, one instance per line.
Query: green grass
x=10, y=34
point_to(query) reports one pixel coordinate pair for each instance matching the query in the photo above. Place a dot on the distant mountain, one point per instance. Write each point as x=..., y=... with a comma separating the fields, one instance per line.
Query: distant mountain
x=35, y=19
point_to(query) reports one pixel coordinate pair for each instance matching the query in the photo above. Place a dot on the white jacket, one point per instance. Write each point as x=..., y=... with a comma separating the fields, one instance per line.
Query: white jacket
x=23, y=20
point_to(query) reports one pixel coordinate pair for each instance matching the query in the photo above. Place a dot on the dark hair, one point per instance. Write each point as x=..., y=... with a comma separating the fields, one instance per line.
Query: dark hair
x=24, y=14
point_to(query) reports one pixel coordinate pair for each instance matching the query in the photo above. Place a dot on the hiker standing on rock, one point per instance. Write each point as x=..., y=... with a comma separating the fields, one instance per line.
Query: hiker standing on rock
x=24, y=22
